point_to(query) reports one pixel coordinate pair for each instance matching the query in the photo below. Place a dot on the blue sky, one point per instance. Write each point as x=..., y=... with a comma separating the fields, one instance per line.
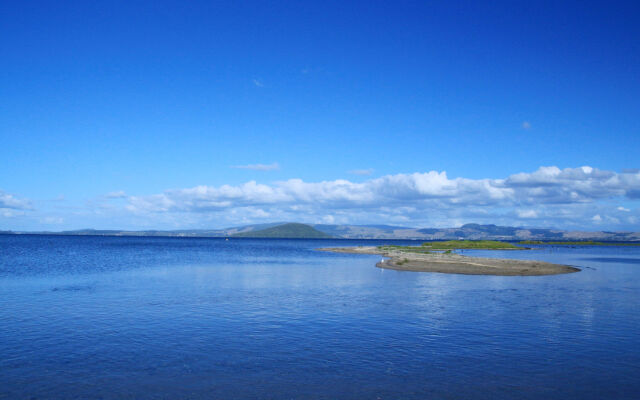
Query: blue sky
x=168, y=115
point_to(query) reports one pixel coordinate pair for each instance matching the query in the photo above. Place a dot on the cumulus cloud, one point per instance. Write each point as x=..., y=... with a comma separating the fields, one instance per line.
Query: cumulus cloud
x=573, y=185
x=328, y=219
x=527, y=214
x=623, y=209
x=9, y=201
x=368, y=171
x=546, y=195
x=258, y=83
x=259, y=167
x=526, y=125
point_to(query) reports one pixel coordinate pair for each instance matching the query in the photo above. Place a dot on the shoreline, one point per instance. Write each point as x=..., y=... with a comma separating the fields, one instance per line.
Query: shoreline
x=456, y=263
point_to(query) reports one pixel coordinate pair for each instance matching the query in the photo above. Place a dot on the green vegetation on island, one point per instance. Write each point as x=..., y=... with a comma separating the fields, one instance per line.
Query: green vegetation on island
x=577, y=243
x=406, y=249
x=286, y=231
x=447, y=246
x=470, y=244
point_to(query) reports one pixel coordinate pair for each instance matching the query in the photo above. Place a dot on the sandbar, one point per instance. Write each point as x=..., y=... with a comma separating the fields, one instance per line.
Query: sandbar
x=456, y=263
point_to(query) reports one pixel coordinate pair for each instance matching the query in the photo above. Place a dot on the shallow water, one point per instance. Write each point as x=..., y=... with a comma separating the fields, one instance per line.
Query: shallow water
x=171, y=318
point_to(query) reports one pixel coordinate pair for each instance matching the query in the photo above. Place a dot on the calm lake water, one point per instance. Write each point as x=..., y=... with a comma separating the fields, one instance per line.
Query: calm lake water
x=178, y=318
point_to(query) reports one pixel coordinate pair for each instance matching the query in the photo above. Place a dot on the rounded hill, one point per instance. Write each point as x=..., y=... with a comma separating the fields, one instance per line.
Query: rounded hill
x=286, y=231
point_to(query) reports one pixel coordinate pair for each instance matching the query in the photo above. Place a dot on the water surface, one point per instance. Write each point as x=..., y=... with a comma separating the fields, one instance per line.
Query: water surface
x=192, y=318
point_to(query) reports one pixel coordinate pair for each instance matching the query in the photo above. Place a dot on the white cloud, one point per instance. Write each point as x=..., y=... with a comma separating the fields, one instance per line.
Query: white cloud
x=368, y=171
x=328, y=219
x=52, y=220
x=572, y=185
x=9, y=201
x=120, y=194
x=259, y=167
x=527, y=214
x=11, y=213
x=258, y=83
x=526, y=125
x=545, y=197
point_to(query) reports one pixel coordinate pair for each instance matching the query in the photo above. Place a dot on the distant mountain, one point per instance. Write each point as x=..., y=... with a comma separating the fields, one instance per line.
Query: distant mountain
x=470, y=232
x=286, y=231
x=361, y=231
x=180, y=232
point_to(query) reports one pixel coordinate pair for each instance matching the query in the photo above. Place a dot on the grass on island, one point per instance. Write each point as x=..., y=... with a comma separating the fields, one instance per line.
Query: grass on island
x=449, y=245
x=470, y=244
x=407, y=249
x=577, y=243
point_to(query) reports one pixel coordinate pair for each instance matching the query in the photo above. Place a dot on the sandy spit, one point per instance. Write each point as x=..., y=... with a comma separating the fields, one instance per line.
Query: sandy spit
x=456, y=263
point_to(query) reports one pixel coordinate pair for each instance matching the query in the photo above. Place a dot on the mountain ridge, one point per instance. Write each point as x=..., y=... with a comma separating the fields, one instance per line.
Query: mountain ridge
x=468, y=231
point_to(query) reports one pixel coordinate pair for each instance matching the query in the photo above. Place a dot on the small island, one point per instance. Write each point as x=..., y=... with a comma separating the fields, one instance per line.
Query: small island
x=438, y=257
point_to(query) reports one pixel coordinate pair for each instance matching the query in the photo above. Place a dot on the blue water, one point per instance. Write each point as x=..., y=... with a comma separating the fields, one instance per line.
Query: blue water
x=182, y=318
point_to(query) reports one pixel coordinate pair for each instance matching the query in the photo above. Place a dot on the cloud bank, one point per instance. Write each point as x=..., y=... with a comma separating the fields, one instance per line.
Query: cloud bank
x=547, y=194
x=583, y=198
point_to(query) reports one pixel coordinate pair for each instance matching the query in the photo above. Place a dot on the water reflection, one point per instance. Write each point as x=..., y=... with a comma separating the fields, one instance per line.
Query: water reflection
x=118, y=317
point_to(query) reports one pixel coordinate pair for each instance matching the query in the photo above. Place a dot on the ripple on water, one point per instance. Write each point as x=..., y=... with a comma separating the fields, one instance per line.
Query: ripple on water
x=179, y=318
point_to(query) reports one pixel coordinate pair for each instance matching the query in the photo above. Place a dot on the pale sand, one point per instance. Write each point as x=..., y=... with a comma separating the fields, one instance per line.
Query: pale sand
x=457, y=264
